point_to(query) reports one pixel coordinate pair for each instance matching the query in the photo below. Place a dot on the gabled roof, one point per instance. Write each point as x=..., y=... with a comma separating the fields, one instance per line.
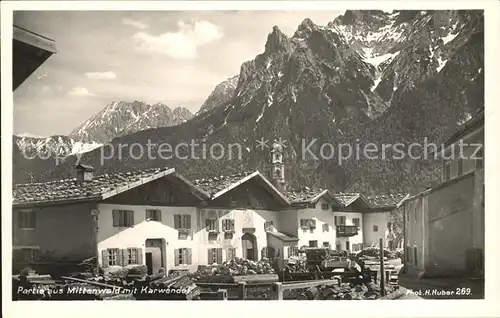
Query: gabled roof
x=219, y=185
x=387, y=200
x=349, y=198
x=308, y=195
x=99, y=188
x=283, y=236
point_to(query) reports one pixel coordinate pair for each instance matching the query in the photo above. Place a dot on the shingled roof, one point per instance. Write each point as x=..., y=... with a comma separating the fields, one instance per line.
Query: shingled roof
x=219, y=185
x=387, y=200
x=99, y=188
x=308, y=195
x=348, y=198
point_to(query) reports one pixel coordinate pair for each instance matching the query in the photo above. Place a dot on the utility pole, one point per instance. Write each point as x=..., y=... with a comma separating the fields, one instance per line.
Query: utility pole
x=382, y=269
x=95, y=217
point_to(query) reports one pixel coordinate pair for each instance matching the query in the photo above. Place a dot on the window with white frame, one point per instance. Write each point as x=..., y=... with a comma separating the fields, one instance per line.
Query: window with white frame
x=123, y=218
x=131, y=256
x=211, y=225
x=227, y=225
x=182, y=221
x=26, y=219
x=153, y=215
x=113, y=256
x=182, y=256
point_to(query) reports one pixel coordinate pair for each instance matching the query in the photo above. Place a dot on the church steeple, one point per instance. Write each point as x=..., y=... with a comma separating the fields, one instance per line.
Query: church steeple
x=278, y=166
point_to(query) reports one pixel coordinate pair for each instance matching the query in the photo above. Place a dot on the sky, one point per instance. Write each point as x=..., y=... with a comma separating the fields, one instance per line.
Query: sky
x=172, y=57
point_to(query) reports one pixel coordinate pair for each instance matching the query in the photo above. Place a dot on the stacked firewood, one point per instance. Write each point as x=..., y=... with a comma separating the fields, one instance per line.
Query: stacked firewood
x=345, y=291
x=236, y=267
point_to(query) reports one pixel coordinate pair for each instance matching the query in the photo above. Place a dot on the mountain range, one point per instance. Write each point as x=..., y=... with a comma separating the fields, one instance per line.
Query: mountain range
x=366, y=77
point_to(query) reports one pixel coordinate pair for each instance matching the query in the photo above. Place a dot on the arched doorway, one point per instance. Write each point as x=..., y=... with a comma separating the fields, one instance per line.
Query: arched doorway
x=249, y=246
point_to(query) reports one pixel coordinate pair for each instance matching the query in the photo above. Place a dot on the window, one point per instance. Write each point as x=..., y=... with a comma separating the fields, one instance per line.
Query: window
x=313, y=243
x=211, y=225
x=26, y=219
x=347, y=246
x=460, y=167
x=307, y=224
x=182, y=256
x=447, y=170
x=227, y=225
x=25, y=254
x=113, y=256
x=355, y=221
x=153, y=215
x=326, y=228
x=267, y=225
x=131, y=256
x=339, y=220
x=325, y=206
x=215, y=256
x=293, y=251
x=415, y=256
x=375, y=228
x=213, y=236
x=326, y=244
x=123, y=218
x=228, y=235
x=230, y=253
x=182, y=221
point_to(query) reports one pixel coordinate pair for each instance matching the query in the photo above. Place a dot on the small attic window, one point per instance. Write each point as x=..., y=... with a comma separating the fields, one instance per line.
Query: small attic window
x=325, y=206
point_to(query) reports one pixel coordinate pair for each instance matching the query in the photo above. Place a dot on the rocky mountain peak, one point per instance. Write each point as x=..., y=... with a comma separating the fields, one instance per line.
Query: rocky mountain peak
x=277, y=41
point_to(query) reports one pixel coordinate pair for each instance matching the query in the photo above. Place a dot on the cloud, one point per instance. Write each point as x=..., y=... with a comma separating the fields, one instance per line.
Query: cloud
x=100, y=75
x=80, y=92
x=135, y=23
x=182, y=44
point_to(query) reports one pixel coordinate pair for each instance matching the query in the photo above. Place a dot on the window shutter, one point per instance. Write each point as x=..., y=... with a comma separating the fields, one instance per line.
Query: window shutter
x=177, y=222
x=219, y=256
x=139, y=256
x=32, y=215
x=130, y=218
x=105, y=258
x=224, y=225
x=116, y=218
x=176, y=256
x=217, y=225
x=232, y=225
x=210, y=260
x=336, y=222
x=188, y=222
x=189, y=256
x=120, y=256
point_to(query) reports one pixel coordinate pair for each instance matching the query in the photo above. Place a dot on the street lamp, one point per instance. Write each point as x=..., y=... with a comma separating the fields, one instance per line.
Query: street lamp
x=95, y=217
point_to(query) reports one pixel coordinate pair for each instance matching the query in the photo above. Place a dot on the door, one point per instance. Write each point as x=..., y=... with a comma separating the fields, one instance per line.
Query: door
x=149, y=262
x=249, y=246
x=347, y=246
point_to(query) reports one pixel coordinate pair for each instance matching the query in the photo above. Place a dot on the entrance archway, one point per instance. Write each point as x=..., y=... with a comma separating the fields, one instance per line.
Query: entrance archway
x=249, y=246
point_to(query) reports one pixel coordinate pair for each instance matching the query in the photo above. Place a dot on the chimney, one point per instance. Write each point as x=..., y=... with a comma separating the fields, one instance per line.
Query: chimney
x=84, y=173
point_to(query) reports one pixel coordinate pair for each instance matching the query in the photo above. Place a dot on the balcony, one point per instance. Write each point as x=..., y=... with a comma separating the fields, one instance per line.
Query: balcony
x=347, y=230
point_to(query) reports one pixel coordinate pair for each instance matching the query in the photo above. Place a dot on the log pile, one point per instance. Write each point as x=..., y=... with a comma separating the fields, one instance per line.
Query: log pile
x=236, y=267
x=345, y=291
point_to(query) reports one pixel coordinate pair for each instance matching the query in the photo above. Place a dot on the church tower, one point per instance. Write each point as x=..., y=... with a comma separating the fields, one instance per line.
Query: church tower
x=277, y=165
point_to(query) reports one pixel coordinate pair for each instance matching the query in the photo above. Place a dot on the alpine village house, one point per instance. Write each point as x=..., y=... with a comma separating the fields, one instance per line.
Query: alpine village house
x=159, y=218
